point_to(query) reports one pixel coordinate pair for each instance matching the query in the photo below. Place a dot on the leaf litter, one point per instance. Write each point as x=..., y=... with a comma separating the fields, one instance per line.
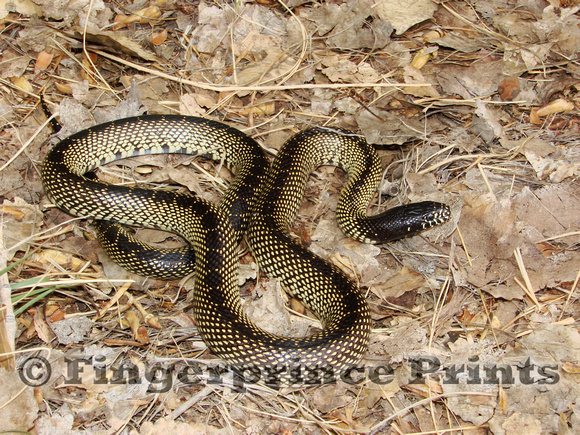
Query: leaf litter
x=475, y=323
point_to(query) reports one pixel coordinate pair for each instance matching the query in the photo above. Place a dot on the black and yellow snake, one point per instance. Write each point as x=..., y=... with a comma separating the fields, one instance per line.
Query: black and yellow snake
x=267, y=212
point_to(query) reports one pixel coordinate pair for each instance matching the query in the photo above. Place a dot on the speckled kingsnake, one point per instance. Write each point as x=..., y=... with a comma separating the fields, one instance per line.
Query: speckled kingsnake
x=320, y=285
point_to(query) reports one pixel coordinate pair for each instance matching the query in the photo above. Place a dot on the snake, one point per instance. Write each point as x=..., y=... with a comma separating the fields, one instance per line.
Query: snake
x=261, y=203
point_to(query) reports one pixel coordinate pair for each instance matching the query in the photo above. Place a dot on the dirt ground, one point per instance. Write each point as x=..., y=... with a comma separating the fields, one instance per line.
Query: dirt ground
x=474, y=104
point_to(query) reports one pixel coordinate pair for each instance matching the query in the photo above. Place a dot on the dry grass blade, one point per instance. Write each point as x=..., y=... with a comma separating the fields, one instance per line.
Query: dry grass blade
x=528, y=288
x=572, y=290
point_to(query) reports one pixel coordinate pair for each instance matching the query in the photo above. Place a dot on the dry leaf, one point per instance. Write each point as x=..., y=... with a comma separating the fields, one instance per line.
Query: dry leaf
x=432, y=35
x=413, y=76
x=509, y=88
x=24, y=7
x=346, y=25
x=114, y=42
x=188, y=106
x=65, y=88
x=23, y=84
x=139, y=332
x=145, y=15
x=403, y=14
x=460, y=42
x=430, y=388
x=275, y=65
x=423, y=56
x=19, y=408
x=42, y=61
x=72, y=330
x=259, y=109
x=406, y=280
x=570, y=367
x=56, y=315
x=88, y=73
x=42, y=329
x=184, y=320
x=472, y=81
x=159, y=37
x=20, y=222
x=503, y=400
x=534, y=118
x=12, y=211
x=141, y=335
x=557, y=106
x=48, y=257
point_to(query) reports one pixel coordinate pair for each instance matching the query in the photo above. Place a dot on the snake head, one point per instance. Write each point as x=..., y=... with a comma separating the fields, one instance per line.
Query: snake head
x=407, y=220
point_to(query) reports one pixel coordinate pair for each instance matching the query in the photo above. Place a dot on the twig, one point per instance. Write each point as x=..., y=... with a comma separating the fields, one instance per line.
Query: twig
x=259, y=88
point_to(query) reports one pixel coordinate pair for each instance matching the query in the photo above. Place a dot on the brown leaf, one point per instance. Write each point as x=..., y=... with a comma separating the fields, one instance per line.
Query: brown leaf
x=42, y=61
x=145, y=15
x=404, y=14
x=65, y=88
x=141, y=335
x=121, y=342
x=114, y=42
x=509, y=88
x=23, y=84
x=405, y=281
x=428, y=389
x=48, y=257
x=56, y=315
x=41, y=327
x=556, y=106
x=571, y=367
x=159, y=37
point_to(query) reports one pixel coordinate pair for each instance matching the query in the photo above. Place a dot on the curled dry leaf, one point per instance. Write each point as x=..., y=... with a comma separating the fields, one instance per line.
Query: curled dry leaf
x=53, y=312
x=423, y=56
x=145, y=15
x=432, y=35
x=88, y=72
x=65, y=88
x=158, y=38
x=570, y=367
x=557, y=106
x=139, y=332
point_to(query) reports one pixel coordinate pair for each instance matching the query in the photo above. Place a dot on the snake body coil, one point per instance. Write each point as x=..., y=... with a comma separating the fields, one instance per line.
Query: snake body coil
x=214, y=232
